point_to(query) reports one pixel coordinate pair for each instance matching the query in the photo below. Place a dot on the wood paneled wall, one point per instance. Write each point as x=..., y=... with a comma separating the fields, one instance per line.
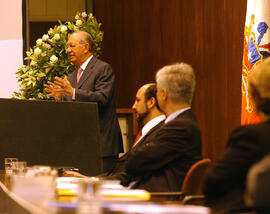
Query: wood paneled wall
x=51, y=10
x=141, y=36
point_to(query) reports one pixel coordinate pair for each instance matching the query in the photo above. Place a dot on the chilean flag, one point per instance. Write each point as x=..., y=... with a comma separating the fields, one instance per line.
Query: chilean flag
x=256, y=48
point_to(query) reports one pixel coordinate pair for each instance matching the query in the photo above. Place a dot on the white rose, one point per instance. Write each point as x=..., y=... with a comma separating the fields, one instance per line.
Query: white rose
x=56, y=36
x=28, y=53
x=50, y=32
x=47, y=46
x=79, y=22
x=45, y=37
x=33, y=63
x=77, y=17
x=84, y=15
x=39, y=42
x=53, y=59
x=63, y=28
x=90, y=15
x=37, y=51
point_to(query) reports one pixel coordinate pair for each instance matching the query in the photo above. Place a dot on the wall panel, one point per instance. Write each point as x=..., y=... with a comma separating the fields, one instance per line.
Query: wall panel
x=142, y=36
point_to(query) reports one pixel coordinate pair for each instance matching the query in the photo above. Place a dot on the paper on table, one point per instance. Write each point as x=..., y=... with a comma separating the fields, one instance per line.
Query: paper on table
x=125, y=194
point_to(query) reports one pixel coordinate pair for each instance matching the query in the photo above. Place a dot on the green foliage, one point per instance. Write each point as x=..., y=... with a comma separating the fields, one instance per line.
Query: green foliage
x=48, y=58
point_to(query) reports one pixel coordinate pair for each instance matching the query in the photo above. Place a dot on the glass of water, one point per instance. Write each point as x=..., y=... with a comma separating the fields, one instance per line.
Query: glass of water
x=9, y=162
x=19, y=167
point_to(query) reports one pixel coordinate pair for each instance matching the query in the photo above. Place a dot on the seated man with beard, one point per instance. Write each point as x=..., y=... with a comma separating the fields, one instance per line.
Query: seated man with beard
x=150, y=118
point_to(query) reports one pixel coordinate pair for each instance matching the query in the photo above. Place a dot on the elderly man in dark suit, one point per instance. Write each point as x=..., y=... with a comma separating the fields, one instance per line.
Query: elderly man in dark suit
x=161, y=164
x=92, y=82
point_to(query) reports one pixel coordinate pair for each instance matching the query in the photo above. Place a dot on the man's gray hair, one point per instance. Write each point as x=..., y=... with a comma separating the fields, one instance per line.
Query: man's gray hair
x=85, y=38
x=179, y=80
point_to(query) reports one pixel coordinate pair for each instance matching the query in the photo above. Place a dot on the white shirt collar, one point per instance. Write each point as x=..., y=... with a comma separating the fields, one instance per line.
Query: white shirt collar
x=175, y=114
x=151, y=124
x=83, y=66
x=146, y=128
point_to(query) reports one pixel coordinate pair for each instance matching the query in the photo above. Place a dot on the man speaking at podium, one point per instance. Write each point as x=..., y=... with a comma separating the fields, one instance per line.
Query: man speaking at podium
x=93, y=81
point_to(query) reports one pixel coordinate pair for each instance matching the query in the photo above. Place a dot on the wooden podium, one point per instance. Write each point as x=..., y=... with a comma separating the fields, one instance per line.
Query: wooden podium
x=51, y=133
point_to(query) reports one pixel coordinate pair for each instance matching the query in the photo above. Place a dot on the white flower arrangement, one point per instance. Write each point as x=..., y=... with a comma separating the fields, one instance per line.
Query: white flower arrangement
x=48, y=58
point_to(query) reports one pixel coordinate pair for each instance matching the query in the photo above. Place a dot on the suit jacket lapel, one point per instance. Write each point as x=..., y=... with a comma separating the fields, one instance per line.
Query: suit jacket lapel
x=124, y=157
x=88, y=70
x=73, y=79
x=150, y=132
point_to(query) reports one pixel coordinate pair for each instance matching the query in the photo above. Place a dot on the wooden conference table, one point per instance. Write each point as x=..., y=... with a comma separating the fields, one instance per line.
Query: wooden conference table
x=11, y=203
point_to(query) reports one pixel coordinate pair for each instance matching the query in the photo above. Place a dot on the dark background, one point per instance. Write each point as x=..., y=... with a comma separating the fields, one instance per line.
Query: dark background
x=141, y=36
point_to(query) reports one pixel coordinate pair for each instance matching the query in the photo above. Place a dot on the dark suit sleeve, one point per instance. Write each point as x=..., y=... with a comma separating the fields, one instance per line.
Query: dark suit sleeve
x=103, y=88
x=165, y=147
x=231, y=169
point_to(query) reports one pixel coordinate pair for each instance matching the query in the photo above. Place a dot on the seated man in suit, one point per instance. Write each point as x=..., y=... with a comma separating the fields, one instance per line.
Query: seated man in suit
x=161, y=164
x=225, y=183
x=150, y=118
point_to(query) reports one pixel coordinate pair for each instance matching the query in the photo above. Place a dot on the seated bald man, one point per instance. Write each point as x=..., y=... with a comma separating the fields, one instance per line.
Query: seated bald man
x=150, y=118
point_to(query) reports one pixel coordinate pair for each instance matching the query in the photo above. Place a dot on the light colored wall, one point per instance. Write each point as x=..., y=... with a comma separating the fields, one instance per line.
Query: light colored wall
x=11, y=19
x=11, y=45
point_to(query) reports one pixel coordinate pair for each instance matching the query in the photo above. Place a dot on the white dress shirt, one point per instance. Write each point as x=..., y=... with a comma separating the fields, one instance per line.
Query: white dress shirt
x=148, y=126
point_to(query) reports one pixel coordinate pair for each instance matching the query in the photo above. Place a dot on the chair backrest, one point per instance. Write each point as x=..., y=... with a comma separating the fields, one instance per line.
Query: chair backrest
x=192, y=184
